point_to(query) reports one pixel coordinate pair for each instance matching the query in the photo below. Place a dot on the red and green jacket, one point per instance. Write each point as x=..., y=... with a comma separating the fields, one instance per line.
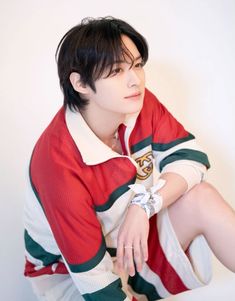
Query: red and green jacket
x=78, y=193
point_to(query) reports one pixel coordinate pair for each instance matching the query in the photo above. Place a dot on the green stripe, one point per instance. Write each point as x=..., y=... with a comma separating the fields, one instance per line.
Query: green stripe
x=38, y=252
x=142, y=144
x=141, y=286
x=88, y=265
x=161, y=147
x=112, y=292
x=115, y=195
x=186, y=154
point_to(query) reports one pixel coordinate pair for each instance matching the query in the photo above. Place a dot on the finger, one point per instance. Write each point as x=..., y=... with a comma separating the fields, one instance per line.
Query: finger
x=144, y=248
x=129, y=260
x=138, y=257
x=120, y=255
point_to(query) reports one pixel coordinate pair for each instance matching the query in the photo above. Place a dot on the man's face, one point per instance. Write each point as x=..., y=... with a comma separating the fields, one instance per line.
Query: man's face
x=122, y=91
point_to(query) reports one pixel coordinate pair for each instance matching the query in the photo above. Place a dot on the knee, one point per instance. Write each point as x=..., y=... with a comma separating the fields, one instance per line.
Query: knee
x=202, y=191
x=191, y=209
x=202, y=196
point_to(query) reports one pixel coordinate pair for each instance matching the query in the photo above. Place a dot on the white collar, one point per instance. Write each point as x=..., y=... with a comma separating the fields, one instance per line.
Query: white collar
x=92, y=149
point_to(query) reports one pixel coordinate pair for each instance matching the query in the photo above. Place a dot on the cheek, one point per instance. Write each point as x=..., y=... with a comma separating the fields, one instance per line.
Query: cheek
x=109, y=90
x=142, y=77
x=104, y=87
x=106, y=96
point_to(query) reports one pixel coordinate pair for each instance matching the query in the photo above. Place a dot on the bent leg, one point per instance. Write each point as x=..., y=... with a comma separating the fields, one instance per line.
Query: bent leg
x=202, y=210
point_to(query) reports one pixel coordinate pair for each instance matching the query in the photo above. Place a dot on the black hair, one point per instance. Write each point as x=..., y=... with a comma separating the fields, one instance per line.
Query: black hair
x=89, y=49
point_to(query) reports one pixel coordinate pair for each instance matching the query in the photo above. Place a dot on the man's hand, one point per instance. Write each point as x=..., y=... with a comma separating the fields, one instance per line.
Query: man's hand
x=132, y=240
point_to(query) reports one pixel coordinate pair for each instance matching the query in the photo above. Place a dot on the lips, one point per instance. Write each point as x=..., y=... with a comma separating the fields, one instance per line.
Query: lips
x=134, y=95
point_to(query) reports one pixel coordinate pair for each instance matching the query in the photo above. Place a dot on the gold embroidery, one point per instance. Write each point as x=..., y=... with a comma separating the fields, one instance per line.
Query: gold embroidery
x=146, y=166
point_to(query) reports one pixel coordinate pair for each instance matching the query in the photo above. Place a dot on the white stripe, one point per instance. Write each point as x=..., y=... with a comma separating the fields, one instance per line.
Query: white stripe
x=126, y=139
x=154, y=279
x=176, y=256
x=112, y=218
x=55, y=287
x=95, y=279
x=193, y=172
x=160, y=155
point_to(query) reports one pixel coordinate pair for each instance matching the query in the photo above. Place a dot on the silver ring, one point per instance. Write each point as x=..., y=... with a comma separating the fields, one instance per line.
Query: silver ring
x=128, y=247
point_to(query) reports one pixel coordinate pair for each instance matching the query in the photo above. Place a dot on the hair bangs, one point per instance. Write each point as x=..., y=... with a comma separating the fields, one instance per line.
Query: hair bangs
x=91, y=49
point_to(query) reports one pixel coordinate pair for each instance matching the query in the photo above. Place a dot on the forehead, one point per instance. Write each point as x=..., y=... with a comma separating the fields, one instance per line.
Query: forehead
x=130, y=46
x=123, y=50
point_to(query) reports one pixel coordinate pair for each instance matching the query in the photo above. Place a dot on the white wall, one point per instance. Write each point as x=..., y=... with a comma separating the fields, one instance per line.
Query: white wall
x=191, y=69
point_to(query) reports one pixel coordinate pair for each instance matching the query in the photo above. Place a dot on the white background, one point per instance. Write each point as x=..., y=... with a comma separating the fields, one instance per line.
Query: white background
x=191, y=69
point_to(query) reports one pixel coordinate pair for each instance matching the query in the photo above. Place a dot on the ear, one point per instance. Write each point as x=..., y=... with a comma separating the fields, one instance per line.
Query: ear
x=75, y=80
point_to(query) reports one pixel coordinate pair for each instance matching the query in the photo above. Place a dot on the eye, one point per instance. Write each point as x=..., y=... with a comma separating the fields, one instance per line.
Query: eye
x=139, y=64
x=116, y=71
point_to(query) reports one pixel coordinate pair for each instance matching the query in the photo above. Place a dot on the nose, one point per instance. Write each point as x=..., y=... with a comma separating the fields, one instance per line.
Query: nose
x=134, y=79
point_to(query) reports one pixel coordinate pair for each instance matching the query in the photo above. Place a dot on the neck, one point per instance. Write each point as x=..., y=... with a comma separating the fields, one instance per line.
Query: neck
x=105, y=127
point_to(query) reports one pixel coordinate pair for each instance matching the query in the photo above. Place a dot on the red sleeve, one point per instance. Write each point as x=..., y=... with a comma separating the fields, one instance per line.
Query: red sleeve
x=57, y=179
x=166, y=128
x=170, y=141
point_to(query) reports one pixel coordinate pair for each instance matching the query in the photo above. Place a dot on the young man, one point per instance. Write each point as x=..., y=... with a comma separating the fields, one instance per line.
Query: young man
x=95, y=209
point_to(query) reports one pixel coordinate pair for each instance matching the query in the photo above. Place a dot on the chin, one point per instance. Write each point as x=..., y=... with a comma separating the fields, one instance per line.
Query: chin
x=135, y=108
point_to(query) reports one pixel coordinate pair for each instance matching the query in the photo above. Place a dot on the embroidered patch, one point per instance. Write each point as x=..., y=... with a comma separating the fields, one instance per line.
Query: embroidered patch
x=145, y=164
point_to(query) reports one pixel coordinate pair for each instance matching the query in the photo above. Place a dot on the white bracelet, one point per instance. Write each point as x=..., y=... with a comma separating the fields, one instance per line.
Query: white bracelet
x=150, y=200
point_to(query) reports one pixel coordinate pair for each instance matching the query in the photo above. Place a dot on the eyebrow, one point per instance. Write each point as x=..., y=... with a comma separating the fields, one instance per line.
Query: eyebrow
x=137, y=58
x=110, y=65
x=124, y=61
